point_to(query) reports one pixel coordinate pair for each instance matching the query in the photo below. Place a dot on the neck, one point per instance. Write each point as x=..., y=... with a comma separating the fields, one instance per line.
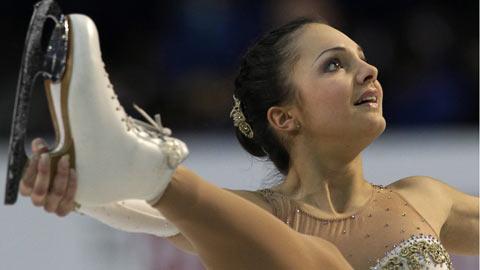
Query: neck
x=334, y=184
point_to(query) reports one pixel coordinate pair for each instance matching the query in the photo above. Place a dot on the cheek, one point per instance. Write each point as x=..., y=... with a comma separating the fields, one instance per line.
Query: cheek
x=329, y=103
x=337, y=95
x=332, y=98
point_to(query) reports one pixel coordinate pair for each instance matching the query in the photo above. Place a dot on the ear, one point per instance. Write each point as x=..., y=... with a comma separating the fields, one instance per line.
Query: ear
x=281, y=119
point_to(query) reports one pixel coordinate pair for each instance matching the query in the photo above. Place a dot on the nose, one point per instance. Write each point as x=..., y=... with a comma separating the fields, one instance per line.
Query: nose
x=367, y=73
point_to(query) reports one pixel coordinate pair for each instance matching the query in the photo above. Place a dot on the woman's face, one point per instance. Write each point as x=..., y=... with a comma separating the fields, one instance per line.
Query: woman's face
x=331, y=74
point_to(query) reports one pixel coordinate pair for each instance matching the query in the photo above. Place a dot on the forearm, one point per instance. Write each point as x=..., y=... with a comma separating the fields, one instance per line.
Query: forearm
x=229, y=232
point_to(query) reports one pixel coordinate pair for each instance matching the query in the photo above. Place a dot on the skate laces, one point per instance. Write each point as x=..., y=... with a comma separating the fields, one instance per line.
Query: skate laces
x=153, y=128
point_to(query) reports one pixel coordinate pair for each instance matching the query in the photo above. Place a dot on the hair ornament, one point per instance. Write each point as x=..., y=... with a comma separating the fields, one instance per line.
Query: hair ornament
x=239, y=119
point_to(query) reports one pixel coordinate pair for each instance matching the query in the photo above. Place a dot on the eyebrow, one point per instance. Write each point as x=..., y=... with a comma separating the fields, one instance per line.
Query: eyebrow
x=359, y=48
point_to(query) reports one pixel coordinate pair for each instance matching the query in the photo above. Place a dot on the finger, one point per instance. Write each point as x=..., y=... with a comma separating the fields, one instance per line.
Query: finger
x=59, y=185
x=42, y=181
x=39, y=145
x=28, y=178
x=67, y=204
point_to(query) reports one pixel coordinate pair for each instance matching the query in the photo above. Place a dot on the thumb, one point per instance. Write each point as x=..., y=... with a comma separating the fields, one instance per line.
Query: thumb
x=39, y=146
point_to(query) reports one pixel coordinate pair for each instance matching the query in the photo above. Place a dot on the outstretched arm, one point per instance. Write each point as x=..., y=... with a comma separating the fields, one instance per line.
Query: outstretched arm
x=459, y=233
x=229, y=232
x=225, y=230
x=131, y=216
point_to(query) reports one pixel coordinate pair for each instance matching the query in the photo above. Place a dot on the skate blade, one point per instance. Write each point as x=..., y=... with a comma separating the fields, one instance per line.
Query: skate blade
x=36, y=63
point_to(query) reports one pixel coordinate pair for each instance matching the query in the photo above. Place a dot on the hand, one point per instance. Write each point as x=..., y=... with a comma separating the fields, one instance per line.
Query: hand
x=55, y=197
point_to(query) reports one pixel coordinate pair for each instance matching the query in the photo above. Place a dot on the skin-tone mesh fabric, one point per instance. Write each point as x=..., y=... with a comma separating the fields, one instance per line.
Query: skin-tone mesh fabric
x=385, y=221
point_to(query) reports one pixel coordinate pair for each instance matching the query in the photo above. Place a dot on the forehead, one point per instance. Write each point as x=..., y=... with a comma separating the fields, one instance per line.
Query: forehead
x=316, y=38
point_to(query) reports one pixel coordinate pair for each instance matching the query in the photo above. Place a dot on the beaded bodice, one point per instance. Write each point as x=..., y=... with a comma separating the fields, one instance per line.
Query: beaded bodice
x=386, y=233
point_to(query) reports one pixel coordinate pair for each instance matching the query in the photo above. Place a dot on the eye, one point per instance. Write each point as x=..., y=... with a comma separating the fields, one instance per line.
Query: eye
x=332, y=65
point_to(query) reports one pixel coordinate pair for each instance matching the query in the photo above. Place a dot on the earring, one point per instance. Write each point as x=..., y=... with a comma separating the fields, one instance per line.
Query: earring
x=298, y=125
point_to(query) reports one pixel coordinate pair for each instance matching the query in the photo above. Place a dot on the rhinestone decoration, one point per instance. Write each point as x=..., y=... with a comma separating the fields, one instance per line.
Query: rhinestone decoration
x=416, y=253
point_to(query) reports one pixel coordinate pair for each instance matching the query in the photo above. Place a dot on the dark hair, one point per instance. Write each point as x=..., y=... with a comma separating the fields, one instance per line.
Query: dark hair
x=262, y=82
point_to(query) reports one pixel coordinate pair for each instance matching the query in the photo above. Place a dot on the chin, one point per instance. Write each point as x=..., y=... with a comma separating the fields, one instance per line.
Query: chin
x=374, y=128
x=380, y=127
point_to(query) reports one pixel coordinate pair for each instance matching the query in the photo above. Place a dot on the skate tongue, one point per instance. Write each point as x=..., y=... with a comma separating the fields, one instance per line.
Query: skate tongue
x=153, y=125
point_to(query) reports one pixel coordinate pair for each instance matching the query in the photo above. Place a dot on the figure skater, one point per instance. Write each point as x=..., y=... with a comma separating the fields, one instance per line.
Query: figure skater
x=307, y=99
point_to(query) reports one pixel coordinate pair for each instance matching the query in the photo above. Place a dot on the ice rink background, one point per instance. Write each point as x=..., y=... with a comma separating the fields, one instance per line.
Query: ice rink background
x=34, y=239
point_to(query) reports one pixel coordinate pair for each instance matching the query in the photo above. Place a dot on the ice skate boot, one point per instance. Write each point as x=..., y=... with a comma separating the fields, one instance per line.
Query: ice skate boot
x=116, y=157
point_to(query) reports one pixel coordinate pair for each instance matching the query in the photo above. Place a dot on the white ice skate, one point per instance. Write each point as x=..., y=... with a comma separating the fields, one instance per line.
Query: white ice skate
x=116, y=157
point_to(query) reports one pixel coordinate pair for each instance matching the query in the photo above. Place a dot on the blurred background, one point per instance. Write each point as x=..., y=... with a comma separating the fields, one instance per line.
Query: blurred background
x=179, y=58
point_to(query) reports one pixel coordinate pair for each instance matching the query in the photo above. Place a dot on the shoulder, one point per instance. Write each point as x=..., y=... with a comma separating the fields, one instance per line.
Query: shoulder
x=427, y=187
x=416, y=182
x=430, y=197
x=423, y=188
x=421, y=185
x=255, y=197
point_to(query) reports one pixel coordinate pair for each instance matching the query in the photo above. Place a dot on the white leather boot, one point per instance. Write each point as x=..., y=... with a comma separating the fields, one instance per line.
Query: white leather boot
x=135, y=216
x=116, y=157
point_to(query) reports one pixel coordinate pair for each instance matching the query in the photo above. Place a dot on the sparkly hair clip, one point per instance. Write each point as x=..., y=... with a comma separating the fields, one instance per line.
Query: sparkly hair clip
x=239, y=119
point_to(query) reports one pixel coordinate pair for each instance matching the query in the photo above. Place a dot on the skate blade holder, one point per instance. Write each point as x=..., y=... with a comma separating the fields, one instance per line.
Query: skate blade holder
x=37, y=63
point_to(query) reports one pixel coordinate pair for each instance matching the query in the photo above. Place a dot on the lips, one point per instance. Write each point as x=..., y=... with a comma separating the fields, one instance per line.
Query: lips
x=367, y=94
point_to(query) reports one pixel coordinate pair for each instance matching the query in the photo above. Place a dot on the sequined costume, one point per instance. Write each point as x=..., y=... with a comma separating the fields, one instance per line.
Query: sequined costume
x=386, y=233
